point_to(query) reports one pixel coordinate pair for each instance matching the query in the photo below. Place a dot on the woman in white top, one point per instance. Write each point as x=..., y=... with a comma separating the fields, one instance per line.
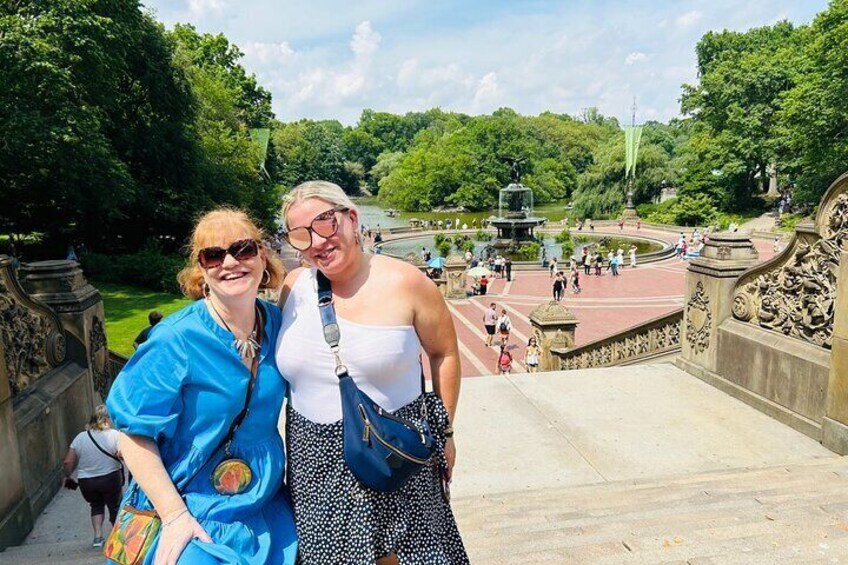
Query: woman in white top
x=504, y=326
x=95, y=459
x=388, y=311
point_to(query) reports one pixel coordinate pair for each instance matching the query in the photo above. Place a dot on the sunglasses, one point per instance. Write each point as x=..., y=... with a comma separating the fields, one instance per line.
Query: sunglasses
x=324, y=224
x=241, y=250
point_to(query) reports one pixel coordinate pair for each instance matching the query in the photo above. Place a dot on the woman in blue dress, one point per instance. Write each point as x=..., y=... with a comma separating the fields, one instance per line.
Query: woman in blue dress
x=182, y=391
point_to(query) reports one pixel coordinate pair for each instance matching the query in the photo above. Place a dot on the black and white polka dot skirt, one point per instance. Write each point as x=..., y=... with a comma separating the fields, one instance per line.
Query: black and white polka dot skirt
x=341, y=522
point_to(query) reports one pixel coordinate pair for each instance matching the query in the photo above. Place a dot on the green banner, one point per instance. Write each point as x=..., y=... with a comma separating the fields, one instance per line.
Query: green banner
x=632, y=136
x=261, y=136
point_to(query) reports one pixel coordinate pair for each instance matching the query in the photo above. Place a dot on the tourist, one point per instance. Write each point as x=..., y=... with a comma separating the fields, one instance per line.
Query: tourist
x=465, y=226
x=504, y=361
x=620, y=258
x=490, y=320
x=153, y=318
x=614, y=264
x=183, y=396
x=558, y=286
x=468, y=257
x=532, y=355
x=591, y=226
x=632, y=255
x=777, y=246
x=423, y=253
x=682, y=250
x=586, y=260
x=639, y=224
x=508, y=268
x=599, y=263
x=504, y=327
x=387, y=313
x=484, y=285
x=621, y=224
x=575, y=281
x=96, y=460
x=553, y=267
x=610, y=256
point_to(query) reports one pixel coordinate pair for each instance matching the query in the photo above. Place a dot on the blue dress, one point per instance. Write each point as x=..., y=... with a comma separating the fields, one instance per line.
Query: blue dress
x=183, y=388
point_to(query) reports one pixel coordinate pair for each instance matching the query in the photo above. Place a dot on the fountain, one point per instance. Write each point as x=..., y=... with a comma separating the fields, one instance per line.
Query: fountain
x=517, y=223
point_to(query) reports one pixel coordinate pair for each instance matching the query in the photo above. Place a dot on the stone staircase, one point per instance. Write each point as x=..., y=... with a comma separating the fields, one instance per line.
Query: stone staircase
x=770, y=515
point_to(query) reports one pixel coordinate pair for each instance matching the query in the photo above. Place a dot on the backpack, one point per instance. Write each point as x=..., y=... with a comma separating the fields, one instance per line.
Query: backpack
x=504, y=327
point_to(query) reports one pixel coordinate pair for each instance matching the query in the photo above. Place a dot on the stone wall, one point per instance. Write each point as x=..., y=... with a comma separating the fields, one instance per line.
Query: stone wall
x=765, y=334
x=53, y=351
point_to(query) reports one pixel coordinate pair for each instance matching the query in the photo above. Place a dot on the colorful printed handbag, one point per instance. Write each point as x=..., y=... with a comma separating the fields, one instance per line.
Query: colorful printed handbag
x=132, y=536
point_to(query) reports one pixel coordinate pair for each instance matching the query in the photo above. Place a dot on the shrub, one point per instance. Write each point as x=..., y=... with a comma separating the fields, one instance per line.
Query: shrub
x=444, y=248
x=148, y=268
x=439, y=238
x=483, y=235
x=529, y=251
x=100, y=267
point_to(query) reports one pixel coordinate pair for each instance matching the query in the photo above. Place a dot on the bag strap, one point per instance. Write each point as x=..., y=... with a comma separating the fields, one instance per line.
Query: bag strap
x=97, y=445
x=239, y=419
x=332, y=334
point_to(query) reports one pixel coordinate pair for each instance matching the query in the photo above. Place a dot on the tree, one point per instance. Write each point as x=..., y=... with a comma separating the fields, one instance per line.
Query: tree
x=814, y=115
x=743, y=79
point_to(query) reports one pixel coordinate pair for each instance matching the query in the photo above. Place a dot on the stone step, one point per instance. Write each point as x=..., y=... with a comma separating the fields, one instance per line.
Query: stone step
x=786, y=514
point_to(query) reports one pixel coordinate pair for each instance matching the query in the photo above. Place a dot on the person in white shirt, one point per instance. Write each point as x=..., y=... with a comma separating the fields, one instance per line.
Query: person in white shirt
x=94, y=459
x=504, y=326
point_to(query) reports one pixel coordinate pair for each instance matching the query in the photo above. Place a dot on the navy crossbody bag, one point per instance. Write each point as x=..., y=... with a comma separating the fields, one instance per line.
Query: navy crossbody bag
x=381, y=449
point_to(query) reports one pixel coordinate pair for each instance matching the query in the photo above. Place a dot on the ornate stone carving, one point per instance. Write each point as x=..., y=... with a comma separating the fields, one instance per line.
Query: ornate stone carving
x=797, y=296
x=99, y=356
x=698, y=320
x=97, y=336
x=724, y=252
x=33, y=341
x=653, y=337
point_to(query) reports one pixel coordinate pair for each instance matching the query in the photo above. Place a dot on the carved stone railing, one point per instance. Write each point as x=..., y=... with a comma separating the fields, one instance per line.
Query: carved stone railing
x=795, y=293
x=33, y=339
x=654, y=338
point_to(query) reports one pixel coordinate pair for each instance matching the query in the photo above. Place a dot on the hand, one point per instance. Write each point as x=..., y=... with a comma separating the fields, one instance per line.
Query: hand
x=175, y=536
x=450, y=457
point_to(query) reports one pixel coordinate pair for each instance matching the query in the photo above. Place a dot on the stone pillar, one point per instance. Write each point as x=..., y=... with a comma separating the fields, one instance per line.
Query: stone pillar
x=62, y=286
x=554, y=326
x=454, y=270
x=835, y=422
x=710, y=283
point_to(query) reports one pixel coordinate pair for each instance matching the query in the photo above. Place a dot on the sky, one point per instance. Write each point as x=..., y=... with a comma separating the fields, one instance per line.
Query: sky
x=330, y=59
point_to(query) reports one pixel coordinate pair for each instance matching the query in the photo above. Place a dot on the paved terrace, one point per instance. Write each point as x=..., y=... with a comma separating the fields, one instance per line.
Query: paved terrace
x=605, y=306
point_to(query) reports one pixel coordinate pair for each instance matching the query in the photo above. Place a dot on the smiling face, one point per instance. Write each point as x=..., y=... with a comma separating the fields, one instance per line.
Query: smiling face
x=234, y=278
x=333, y=254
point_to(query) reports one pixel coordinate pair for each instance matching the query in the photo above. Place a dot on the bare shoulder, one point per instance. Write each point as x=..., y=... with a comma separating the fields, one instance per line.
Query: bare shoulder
x=399, y=273
x=288, y=284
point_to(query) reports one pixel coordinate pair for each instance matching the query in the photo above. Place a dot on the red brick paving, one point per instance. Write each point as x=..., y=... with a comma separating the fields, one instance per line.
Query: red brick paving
x=606, y=305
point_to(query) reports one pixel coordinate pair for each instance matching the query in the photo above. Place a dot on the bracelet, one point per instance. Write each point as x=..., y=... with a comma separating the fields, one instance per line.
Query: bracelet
x=448, y=432
x=175, y=518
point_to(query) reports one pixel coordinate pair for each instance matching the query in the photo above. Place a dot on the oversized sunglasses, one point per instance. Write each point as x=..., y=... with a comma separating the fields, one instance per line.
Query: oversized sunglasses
x=241, y=250
x=324, y=224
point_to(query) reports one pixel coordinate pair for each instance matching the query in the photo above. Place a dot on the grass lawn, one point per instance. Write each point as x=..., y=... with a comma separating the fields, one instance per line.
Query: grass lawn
x=126, y=312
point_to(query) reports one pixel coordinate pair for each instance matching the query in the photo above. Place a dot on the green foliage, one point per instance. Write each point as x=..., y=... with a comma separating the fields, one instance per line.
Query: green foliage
x=686, y=210
x=464, y=244
x=529, y=251
x=483, y=235
x=149, y=268
x=444, y=247
x=439, y=238
x=564, y=239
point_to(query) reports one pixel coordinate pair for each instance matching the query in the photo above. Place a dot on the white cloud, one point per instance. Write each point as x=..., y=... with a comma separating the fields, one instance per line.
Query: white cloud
x=689, y=18
x=636, y=57
x=487, y=90
x=365, y=41
x=268, y=53
x=205, y=8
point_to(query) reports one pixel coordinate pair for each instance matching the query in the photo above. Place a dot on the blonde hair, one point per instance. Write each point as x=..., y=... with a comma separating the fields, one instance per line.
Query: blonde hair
x=99, y=419
x=327, y=191
x=210, y=226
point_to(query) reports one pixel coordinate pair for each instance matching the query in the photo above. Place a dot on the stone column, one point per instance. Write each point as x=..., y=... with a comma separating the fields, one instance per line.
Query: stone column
x=710, y=283
x=454, y=270
x=62, y=286
x=554, y=326
x=835, y=422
